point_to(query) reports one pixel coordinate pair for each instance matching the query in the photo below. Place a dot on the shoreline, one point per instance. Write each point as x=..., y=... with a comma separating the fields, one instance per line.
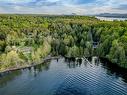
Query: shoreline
x=50, y=58
x=24, y=67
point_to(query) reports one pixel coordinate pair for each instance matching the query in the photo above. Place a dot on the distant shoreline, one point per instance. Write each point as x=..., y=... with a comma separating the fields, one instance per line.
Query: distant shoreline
x=103, y=18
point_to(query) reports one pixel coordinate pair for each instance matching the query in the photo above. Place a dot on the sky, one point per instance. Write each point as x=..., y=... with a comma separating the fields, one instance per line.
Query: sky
x=79, y=7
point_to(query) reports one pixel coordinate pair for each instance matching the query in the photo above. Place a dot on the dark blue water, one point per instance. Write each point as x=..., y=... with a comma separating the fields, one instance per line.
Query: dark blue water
x=60, y=77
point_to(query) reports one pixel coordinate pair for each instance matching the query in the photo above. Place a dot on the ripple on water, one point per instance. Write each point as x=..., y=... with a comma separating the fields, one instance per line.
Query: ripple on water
x=89, y=81
x=63, y=78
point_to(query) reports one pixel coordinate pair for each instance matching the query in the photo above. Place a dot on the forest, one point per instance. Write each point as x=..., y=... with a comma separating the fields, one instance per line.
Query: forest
x=27, y=39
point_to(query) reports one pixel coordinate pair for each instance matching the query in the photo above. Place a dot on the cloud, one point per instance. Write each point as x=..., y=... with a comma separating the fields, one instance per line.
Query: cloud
x=63, y=6
x=15, y=1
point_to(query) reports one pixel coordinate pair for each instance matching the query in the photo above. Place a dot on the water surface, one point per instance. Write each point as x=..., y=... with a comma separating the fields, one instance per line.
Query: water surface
x=111, y=18
x=63, y=77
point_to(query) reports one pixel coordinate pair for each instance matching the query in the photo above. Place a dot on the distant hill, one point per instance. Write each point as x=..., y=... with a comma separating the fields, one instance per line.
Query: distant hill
x=115, y=15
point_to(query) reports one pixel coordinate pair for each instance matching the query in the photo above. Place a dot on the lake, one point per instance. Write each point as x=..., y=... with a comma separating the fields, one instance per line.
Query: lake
x=65, y=77
x=111, y=18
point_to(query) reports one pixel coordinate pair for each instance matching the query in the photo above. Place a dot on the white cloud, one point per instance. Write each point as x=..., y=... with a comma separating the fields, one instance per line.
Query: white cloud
x=63, y=7
x=15, y=1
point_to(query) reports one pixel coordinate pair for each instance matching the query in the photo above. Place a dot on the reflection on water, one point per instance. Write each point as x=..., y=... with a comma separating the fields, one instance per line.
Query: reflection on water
x=39, y=68
x=73, y=64
x=32, y=70
x=5, y=79
x=113, y=69
x=67, y=77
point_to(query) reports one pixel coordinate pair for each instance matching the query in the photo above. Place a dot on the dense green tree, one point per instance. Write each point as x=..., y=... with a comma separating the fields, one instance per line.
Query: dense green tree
x=32, y=37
